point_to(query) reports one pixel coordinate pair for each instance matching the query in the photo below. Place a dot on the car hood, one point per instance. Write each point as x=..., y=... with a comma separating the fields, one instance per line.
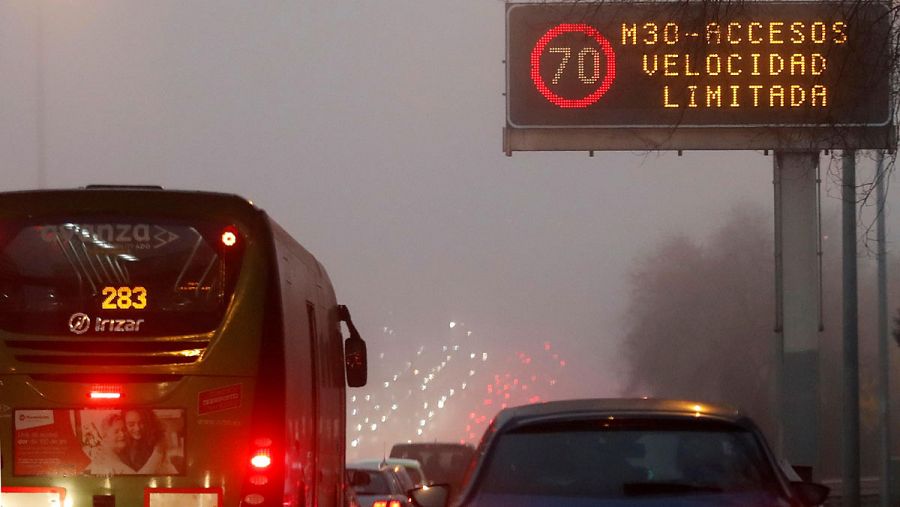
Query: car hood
x=749, y=499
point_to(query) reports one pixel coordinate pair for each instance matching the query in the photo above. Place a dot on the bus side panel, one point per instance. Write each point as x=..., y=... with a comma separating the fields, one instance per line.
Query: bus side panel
x=297, y=288
x=332, y=395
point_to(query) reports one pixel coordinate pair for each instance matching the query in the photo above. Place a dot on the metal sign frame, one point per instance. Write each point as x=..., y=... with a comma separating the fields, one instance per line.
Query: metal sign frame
x=684, y=136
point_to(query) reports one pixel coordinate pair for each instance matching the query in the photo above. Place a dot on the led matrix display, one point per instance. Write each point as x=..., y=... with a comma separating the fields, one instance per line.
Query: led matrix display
x=742, y=64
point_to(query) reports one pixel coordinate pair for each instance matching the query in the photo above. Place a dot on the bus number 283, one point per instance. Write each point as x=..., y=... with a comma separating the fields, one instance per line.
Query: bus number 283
x=124, y=298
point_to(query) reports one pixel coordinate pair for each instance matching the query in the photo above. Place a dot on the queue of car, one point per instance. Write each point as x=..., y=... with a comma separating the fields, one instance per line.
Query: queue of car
x=612, y=453
x=375, y=483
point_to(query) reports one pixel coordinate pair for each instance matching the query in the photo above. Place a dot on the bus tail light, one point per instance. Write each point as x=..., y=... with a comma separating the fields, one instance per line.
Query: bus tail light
x=262, y=453
x=263, y=482
x=261, y=459
x=385, y=503
x=253, y=499
x=258, y=480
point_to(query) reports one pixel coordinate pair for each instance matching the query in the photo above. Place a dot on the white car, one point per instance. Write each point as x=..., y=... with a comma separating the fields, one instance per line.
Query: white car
x=377, y=484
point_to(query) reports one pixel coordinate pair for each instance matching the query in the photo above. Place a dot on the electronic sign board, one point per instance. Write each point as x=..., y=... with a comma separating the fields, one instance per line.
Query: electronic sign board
x=763, y=70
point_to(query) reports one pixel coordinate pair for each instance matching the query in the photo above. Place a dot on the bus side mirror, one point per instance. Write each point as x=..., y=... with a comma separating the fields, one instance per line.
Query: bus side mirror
x=355, y=356
x=354, y=352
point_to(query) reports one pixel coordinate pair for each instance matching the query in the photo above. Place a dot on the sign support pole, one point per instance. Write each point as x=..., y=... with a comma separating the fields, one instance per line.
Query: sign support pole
x=884, y=352
x=850, y=437
x=797, y=316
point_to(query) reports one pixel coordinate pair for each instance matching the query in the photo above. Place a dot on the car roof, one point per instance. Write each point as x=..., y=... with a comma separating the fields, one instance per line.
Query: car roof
x=643, y=407
x=406, y=462
x=419, y=450
x=374, y=464
x=367, y=465
x=430, y=445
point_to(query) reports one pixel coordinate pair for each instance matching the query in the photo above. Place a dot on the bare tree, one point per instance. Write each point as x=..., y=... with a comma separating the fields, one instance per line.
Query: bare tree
x=700, y=325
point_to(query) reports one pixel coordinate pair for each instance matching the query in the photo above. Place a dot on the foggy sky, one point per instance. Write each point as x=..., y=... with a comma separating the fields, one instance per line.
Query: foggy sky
x=372, y=132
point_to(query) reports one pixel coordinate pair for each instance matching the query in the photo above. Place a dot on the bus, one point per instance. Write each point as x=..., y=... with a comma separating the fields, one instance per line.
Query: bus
x=167, y=348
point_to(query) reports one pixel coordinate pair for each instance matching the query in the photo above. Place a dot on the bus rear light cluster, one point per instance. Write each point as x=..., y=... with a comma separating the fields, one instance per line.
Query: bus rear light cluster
x=385, y=503
x=260, y=468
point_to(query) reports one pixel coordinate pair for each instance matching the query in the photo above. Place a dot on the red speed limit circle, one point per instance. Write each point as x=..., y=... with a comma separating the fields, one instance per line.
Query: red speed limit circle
x=602, y=85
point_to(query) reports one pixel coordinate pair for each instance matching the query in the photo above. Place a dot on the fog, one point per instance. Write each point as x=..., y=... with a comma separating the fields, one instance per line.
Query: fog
x=372, y=132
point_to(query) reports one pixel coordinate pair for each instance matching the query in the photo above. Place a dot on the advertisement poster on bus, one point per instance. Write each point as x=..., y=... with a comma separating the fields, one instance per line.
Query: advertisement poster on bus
x=99, y=442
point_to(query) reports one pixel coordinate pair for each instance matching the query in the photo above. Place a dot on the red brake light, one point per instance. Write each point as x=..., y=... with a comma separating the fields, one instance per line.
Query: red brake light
x=105, y=392
x=394, y=503
x=261, y=459
x=379, y=503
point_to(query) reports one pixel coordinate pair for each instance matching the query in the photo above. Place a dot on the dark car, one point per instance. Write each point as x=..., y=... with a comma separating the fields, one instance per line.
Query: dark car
x=625, y=453
x=443, y=463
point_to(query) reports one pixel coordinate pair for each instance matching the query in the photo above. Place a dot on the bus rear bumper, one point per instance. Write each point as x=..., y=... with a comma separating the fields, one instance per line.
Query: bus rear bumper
x=11, y=496
x=182, y=497
x=153, y=497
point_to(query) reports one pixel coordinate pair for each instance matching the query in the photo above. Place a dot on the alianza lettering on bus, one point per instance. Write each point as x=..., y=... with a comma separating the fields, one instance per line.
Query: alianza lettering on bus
x=774, y=64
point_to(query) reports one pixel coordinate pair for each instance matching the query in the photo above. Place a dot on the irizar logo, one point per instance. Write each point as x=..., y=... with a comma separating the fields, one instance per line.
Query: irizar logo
x=80, y=323
x=118, y=325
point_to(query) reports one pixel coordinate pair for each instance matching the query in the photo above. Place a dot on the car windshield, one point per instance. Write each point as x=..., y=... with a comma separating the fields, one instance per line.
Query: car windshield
x=615, y=460
x=403, y=479
x=378, y=484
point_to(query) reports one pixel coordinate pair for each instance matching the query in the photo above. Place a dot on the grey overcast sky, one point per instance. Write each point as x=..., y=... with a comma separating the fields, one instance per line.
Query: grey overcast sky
x=371, y=130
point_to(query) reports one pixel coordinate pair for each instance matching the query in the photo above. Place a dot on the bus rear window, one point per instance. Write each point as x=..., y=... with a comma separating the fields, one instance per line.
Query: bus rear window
x=115, y=277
